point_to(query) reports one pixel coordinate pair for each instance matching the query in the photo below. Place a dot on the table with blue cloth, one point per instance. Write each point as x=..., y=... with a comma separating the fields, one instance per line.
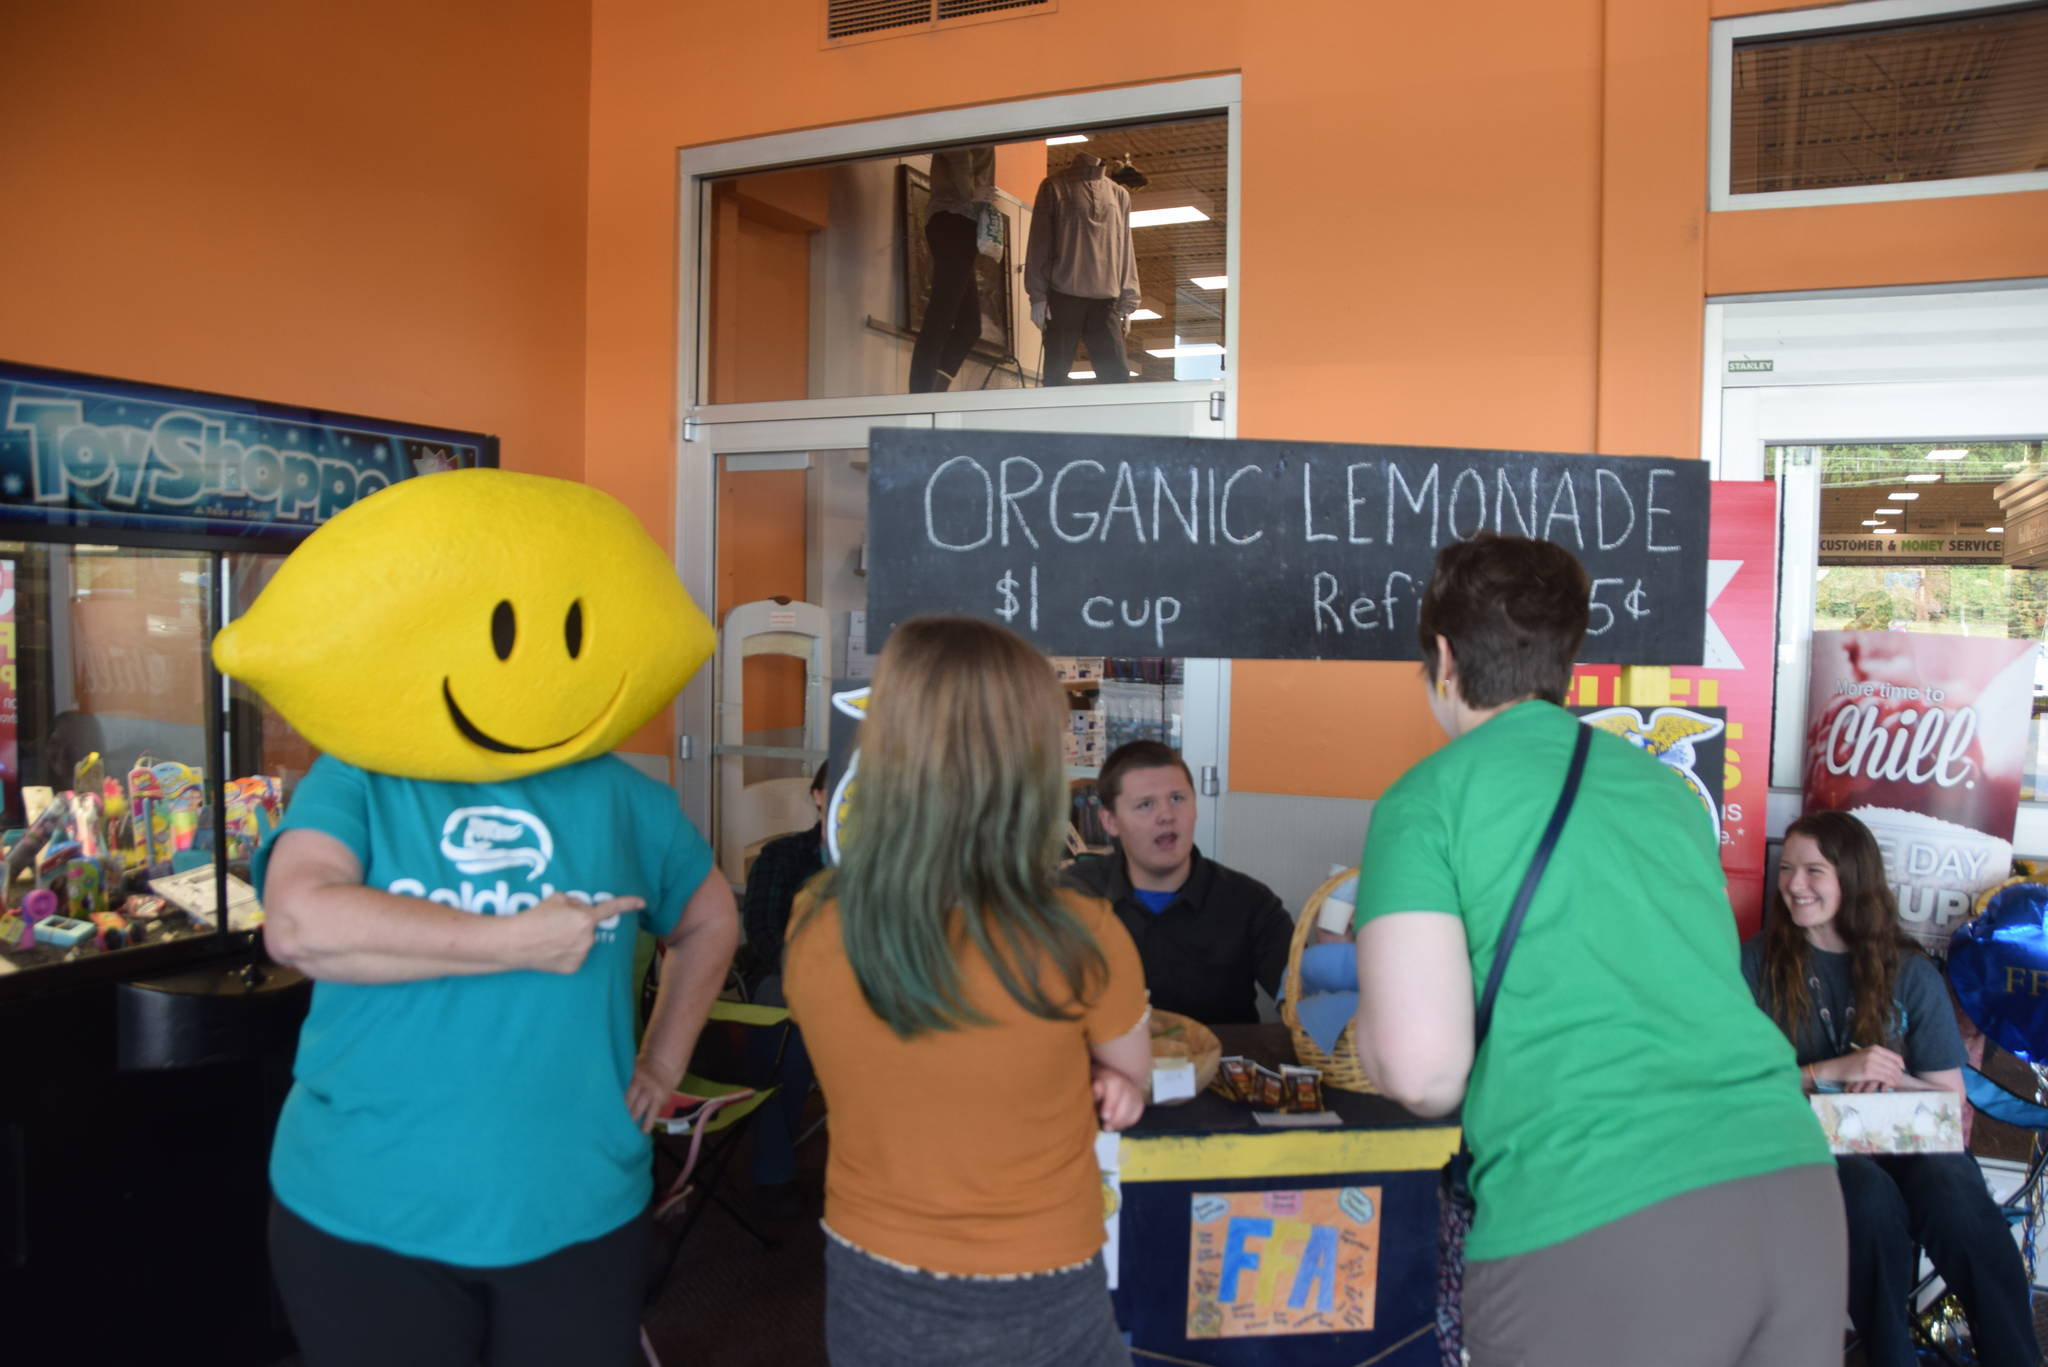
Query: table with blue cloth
x=1240, y=1245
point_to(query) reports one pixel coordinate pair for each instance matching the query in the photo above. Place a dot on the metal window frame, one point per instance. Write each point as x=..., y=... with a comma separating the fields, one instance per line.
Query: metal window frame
x=1870, y=14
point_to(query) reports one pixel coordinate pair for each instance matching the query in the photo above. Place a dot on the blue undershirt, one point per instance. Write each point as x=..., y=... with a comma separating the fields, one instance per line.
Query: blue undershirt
x=1155, y=902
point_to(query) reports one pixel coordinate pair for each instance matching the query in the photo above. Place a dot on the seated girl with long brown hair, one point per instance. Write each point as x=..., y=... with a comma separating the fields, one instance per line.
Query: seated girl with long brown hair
x=1867, y=1011
x=970, y=1022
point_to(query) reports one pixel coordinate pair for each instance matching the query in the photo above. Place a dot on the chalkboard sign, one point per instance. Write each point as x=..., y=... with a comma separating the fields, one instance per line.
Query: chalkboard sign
x=1135, y=546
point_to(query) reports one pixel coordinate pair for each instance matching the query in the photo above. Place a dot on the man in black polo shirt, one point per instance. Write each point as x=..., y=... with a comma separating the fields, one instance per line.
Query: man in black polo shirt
x=1206, y=934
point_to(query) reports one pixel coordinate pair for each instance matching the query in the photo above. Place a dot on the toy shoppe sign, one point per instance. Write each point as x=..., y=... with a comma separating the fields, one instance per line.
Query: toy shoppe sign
x=77, y=447
x=1147, y=546
x=1924, y=739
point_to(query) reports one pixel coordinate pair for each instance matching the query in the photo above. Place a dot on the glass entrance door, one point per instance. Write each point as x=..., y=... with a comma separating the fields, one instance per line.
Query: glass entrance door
x=1891, y=519
x=776, y=510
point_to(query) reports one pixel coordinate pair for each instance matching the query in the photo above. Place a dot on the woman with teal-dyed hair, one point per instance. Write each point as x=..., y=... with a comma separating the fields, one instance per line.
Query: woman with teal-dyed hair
x=972, y=1024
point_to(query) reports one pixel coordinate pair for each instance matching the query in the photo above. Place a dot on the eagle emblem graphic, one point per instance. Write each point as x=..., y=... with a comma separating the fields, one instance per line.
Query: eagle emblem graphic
x=1669, y=736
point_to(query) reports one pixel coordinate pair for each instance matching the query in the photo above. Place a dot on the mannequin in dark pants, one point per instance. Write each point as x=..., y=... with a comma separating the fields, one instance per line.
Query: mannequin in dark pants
x=952, y=317
x=962, y=180
x=1075, y=321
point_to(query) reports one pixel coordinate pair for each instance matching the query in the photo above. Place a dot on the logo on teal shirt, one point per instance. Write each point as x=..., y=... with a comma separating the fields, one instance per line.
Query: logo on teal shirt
x=490, y=839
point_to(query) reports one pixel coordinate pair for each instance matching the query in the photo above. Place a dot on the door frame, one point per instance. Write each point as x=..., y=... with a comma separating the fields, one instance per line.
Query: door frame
x=1009, y=121
x=1975, y=399
x=1205, y=711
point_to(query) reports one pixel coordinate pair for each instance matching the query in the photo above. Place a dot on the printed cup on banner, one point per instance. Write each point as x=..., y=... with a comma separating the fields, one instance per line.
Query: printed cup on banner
x=1923, y=739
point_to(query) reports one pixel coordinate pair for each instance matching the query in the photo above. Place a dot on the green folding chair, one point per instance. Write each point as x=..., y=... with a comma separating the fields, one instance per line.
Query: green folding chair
x=699, y=1139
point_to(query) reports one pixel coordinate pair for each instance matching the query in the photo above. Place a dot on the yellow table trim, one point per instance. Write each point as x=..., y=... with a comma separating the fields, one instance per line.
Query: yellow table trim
x=1282, y=1153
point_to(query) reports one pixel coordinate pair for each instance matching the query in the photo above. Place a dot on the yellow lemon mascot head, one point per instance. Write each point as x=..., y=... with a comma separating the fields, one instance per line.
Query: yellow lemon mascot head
x=471, y=626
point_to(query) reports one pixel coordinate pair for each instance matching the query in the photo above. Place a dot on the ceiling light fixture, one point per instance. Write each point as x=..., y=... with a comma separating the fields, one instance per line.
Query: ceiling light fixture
x=1063, y=139
x=1886, y=531
x=1872, y=522
x=1906, y=494
x=1155, y=218
x=1186, y=349
x=1145, y=315
x=1211, y=282
x=1994, y=531
x=1952, y=453
x=1888, y=512
x=1921, y=479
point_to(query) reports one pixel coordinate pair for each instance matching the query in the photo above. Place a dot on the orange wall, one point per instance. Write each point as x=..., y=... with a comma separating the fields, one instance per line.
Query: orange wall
x=394, y=208
x=375, y=207
x=1402, y=252
x=1521, y=261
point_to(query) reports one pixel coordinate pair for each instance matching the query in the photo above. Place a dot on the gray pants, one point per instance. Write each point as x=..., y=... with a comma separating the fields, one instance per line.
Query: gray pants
x=1752, y=1273
x=881, y=1316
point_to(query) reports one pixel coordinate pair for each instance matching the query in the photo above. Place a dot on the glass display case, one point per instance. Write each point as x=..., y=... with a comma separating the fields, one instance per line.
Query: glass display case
x=152, y=1044
x=136, y=783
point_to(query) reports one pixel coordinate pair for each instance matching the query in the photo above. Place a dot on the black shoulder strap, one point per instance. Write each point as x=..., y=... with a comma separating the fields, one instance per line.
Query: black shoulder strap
x=1513, y=925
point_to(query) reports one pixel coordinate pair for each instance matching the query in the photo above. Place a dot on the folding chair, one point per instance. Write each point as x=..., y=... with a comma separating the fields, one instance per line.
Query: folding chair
x=1940, y=1327
x=699, y=1138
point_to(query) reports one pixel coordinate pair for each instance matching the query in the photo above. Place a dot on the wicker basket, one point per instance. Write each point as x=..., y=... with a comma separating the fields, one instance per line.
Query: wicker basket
x=1340, y=1067
x=1205, y=1051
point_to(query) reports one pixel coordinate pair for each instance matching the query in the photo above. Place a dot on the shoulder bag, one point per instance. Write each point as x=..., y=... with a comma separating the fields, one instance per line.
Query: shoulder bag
x=1455, y=1207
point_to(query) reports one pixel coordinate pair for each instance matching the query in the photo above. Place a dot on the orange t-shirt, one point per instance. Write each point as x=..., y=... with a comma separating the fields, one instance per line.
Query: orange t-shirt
x=971, y=1150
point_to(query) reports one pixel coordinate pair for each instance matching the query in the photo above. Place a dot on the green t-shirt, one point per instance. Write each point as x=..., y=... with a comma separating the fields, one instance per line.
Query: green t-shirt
x=1627, y=1062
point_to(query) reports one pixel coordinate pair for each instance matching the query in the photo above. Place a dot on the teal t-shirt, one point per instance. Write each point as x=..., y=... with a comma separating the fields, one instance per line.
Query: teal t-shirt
x=482, y=1120
x=1627, y=1062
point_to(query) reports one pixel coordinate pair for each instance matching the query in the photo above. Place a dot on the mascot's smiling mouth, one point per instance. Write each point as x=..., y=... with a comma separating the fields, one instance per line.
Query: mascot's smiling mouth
x=477, y=736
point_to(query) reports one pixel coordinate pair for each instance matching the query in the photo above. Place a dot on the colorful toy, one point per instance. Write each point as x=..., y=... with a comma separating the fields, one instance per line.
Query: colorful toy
x=254, y=806
x=518, y=623
x=159, y=792
x=39, y=905
x=62, y=931
x=24, y=858
x=114, y=931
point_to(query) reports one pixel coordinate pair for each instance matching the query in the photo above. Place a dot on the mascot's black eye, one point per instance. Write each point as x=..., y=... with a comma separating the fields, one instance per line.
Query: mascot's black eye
x=573, y=628
x=504, y=629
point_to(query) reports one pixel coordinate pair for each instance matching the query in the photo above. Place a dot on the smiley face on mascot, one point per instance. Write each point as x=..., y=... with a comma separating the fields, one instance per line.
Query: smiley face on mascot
x=465, y=873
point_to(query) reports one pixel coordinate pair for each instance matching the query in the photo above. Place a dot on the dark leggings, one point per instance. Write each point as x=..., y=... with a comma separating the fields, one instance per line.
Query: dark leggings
x=352, y=1304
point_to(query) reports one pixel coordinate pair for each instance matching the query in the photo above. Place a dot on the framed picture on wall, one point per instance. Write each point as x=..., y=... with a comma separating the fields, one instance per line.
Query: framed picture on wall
x=998, y=344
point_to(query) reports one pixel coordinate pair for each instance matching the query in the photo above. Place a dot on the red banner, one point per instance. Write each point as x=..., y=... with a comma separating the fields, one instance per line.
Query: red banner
x=1742, y=609
x=1923, y=738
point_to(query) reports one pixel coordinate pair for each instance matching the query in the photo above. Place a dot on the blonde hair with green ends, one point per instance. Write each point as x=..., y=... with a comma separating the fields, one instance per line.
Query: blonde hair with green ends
x=956, y=830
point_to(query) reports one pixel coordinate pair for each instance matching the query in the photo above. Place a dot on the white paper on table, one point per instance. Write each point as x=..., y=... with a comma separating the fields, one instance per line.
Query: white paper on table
x=1293, y=1119
x=192, y=892
x=1173, y=1079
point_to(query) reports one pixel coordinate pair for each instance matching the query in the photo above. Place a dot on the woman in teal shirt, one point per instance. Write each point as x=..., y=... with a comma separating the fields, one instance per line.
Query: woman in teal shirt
x=1651, y=1186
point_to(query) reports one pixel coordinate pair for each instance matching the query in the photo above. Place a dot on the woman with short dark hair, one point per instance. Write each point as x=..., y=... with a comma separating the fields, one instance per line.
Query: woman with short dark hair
x=1651, y=1187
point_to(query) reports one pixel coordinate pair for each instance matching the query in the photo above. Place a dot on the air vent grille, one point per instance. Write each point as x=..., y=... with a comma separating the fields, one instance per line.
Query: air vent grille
x=860, y=18
x=853, y=21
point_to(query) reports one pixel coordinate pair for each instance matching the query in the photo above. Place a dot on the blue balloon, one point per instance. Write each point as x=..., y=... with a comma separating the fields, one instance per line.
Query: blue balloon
x=1998, y=965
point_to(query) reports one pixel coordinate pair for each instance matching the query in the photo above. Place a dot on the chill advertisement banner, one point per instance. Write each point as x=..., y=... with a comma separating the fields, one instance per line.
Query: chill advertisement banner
x=1735, y=677
x=1924, y=739
x=86, y=450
